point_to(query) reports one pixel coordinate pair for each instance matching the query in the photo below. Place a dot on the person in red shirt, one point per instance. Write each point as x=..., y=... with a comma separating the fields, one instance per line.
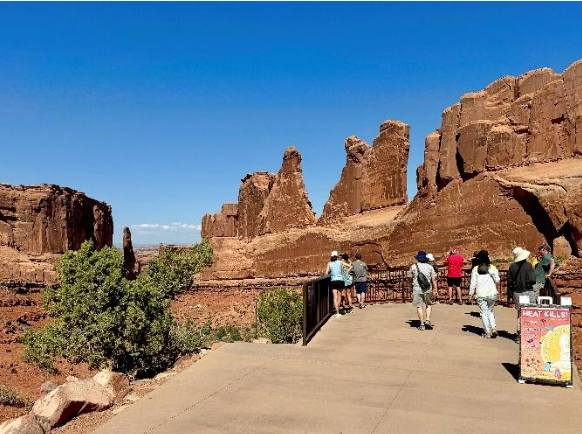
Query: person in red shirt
x=454, y=264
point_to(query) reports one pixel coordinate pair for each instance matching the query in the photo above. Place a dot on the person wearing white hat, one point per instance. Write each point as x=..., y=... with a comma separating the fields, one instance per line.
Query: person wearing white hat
x=521, y=278
x=334, y=269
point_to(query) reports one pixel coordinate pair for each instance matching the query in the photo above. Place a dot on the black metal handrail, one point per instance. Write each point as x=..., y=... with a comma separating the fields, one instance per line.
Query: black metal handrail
x=317, y=306
x=383, y=286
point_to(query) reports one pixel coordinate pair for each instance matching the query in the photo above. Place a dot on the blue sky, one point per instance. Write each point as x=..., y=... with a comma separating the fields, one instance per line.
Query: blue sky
x=160, y=109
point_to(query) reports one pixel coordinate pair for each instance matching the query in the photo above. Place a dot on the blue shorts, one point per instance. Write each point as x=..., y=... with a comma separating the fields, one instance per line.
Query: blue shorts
x=361, y=287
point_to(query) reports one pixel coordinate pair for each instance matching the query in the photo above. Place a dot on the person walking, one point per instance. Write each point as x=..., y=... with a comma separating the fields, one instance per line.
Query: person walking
x=544, y=268
x=348, y=280
x=484, y=280
x=424, y=286
x=454, y=264
x=334, y=269
x=360, y=270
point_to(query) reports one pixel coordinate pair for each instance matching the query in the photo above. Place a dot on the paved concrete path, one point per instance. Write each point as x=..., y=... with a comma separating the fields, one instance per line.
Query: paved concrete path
x=367, y=372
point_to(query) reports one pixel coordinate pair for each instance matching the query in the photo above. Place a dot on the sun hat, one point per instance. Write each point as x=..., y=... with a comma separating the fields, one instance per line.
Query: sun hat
x=421, y=256
x=520, y=254
x=430, y=257
x=334, y=253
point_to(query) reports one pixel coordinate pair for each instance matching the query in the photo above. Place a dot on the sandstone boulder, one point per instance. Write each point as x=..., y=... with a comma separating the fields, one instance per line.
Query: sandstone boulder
x=69, y=400
x=115, y=383
x=22, y=425
x=287, y=205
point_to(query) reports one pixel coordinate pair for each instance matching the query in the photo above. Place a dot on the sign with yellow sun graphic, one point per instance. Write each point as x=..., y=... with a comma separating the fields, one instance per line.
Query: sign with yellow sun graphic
x=545, y=345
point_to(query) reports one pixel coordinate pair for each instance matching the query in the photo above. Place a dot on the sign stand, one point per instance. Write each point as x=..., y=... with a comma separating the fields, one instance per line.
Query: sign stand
x=545, y=348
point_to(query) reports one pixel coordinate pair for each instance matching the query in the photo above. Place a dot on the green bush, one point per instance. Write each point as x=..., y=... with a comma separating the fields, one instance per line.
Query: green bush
x=12, y=398
x=280, y=314
x=174, y=269
x=189, y=337
x=102, y=318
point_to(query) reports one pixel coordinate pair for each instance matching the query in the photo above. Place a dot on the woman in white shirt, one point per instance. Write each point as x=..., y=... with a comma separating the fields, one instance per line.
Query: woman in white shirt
x=484, y=281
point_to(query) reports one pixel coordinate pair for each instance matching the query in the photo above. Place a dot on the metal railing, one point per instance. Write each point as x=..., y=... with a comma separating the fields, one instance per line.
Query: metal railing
x=317, y=306
x=383, y=286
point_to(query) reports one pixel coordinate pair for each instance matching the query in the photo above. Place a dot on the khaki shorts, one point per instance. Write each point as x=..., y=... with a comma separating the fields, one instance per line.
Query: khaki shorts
x=422, y=299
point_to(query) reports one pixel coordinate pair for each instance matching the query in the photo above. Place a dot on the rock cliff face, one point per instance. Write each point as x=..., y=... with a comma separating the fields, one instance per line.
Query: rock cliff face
x=287, y=205
x=222, y=224
x=129, y=261
x=521, y=137
x=502, y=170
x=373, y=177
x=267, y=203
x=47, y=220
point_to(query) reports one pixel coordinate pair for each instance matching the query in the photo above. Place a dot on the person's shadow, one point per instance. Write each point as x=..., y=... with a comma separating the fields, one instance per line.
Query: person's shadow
x=473, y=329
x=473, y=314
x=413, y=323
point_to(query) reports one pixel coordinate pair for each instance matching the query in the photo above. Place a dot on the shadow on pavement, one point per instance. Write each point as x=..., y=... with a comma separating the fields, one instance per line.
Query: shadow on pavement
x=513, y=369
x=473, y=329
x=473, y=314
x=414, y=323
x=507, y=335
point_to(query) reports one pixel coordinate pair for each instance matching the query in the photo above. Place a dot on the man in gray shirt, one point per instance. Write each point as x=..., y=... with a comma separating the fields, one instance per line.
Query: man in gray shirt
x=422, y=297
x=360, y=270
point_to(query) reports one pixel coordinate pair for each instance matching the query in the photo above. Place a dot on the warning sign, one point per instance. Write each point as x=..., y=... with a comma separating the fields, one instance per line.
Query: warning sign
x=545, y=345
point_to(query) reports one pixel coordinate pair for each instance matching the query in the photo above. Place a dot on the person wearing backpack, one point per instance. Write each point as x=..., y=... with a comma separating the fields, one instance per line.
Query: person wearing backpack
x=424, y=286
x=521, y=277
x=484, y=280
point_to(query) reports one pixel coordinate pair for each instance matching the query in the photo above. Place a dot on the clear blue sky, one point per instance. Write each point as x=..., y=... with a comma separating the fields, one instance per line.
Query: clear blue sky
x=160, y=109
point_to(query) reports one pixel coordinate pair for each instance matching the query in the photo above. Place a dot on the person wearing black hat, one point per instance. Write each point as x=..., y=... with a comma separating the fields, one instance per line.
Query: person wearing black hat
x=424, y=286
x=484, y=281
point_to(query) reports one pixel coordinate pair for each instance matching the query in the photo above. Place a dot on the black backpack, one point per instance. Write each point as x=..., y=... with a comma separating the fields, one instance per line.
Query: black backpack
x=512, y=280
x=423, y=281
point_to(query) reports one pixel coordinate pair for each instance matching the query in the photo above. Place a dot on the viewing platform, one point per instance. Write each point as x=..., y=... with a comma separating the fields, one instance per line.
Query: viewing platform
x=370, y=371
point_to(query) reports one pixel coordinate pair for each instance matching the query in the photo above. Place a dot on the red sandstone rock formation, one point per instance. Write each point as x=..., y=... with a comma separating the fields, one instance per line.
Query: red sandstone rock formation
x=287, y=205
x=222, y=224
x=267, y=203
x=373, y=177
x=45, y=220
x=129, y=261
x=252, y=195
x=502, y=170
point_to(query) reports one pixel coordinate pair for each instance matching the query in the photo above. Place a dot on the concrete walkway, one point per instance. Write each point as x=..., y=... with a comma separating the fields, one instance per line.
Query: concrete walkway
x=367, y=372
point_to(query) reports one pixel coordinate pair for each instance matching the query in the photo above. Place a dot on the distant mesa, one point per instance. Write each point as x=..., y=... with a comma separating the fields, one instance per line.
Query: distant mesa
x=42, y=222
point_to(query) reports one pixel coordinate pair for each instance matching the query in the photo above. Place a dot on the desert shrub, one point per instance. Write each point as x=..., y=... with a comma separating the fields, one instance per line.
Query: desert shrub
x=280, y=315
x=173, y=270
x=189, y=337
x=12, y=398
x=101, y=318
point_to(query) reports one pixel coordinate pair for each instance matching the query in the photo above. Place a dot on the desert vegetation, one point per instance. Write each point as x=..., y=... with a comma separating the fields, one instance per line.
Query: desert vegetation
x=102, y=318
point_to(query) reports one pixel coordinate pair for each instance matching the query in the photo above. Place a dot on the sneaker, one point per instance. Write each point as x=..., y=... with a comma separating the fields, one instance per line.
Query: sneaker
x=486, y=335
x=337, y=315
x=421, y=327
x=429, y=325
x=494, y=334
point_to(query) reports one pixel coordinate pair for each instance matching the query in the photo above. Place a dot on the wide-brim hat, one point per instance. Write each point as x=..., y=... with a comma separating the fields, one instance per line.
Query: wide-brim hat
x=430, y=257
x=520, y=254
x=334, y=253
x=421, y=256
